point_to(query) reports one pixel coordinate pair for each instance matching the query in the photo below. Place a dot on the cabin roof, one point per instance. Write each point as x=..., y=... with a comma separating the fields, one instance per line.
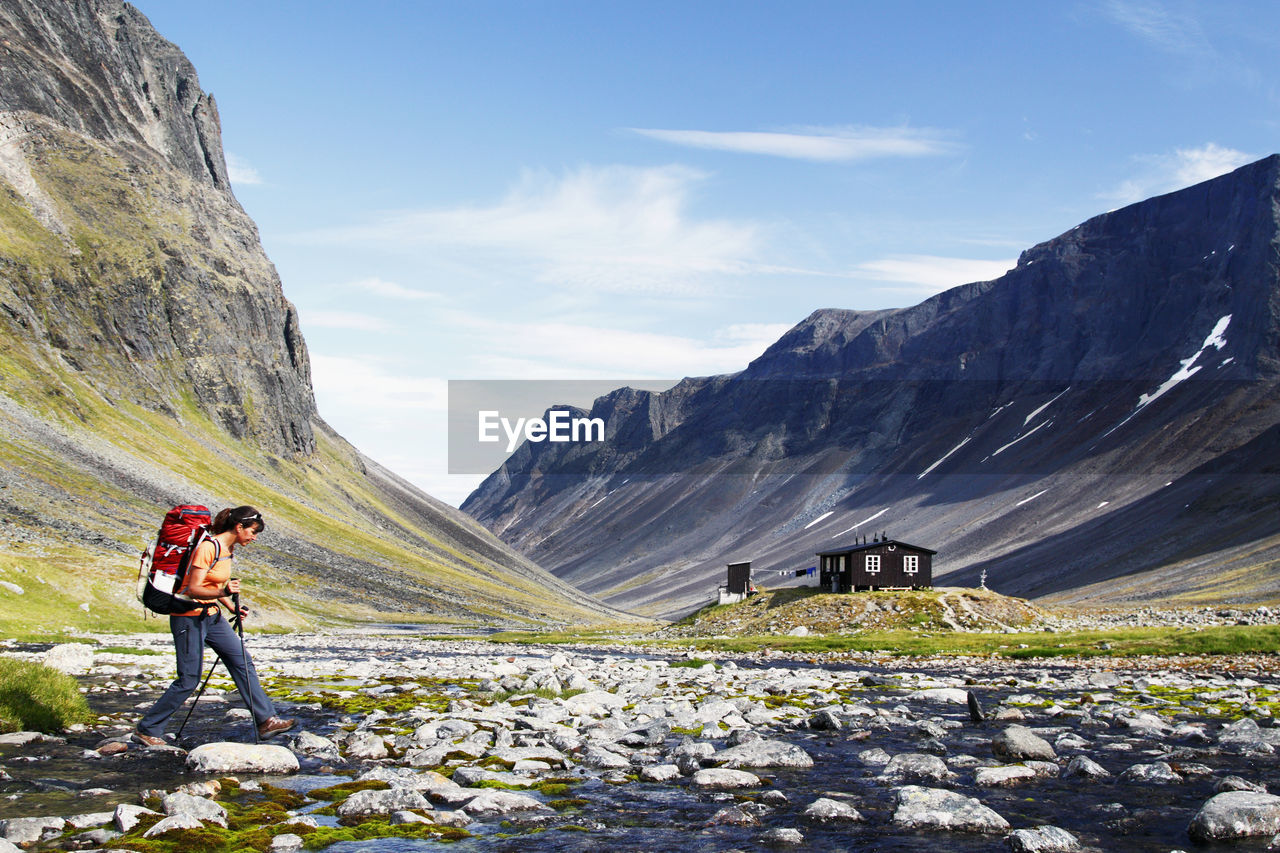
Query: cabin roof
x=867, y=546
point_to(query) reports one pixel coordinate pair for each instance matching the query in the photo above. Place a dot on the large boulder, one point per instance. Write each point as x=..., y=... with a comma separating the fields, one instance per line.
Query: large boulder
x=827, y=809
x=225, y=757
x=314, y=746
x=26, y=831
x=593, y=703
x=71, y=658
x=198, y=807
x=933, y=808
x=495, y=803
x=1043, y=839
x=1019, y=743
x=721, y=778
x=174, y=823
x=382, y=802
x=916, y=767
x=764, y=753
x=1236, y=814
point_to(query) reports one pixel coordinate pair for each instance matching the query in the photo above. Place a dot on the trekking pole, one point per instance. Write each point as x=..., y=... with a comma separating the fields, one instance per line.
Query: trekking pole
x=199, y=694
x=244, y=656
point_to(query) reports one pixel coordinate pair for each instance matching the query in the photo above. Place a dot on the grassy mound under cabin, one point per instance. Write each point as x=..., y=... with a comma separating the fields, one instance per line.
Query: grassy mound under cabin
x=816, y=611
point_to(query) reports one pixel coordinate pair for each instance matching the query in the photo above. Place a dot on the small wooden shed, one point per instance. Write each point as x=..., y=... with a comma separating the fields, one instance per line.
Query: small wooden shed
x=738, y=583
x=882, y=563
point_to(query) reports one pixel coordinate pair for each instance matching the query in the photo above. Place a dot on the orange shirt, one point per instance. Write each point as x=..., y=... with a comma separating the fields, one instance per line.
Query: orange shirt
x=215, y=565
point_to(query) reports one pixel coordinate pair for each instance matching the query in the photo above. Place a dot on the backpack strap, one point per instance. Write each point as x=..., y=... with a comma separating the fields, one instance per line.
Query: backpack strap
x=217, y=554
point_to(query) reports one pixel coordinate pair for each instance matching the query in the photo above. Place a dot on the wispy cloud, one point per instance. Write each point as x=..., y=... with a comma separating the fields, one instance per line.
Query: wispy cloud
x=392, y=290
x=821, y=144
x=240, y=172
x=931, y=272
x=1163, y=173
x=609, y=229
x=1175, y=30
x=553, y=350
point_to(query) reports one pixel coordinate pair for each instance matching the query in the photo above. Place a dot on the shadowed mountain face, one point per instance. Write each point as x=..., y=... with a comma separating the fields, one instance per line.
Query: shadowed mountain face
x=1099, y=423
x=149, y=357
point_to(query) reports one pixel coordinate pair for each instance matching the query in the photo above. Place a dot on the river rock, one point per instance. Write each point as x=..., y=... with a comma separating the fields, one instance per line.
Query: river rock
x=874, y=757
x=469, y=776
x=382, y=802
x=173, y=824
x=1042, y=839
x=286, y=842
x=733, y=816
x=1002, y=777
x=92, y=839
x=71, y=658
x=782, y=836
x=198, y=807
x=933, y=808
x=915, y=767
x=764, y=753
x=948, y=695
x=604, y=759
x=21, y=738
x=650, y=734
x=225, y=757
x=1236, y=814
x=724, y=778
x=126, y=816
x=89, y=819
x=593, y=703
x=1084, y=767
x=314, y=746
x=494, y=803
x=824, y=721
x=514, y=754
x=1018, y=743
x=827, y=809
x=29, y=830
x=366, y=746
x=1157, y=772
x=659, y=773
x=1235, y=783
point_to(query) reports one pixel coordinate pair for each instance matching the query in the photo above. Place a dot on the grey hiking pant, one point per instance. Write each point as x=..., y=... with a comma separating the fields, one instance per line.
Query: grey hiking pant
x=190, y=635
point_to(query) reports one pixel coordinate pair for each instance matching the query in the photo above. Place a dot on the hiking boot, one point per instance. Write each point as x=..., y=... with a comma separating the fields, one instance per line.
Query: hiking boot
x=273, y=726
x=148, y=740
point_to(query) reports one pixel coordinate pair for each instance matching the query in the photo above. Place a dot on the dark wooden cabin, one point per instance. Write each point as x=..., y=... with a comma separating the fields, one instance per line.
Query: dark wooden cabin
x=880, y=564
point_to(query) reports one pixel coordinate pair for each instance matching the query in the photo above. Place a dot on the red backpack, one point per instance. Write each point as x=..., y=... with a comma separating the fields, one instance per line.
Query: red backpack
x=163, y=566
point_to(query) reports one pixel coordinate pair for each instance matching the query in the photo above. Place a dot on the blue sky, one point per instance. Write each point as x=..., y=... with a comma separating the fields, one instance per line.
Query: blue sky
x=650, y=190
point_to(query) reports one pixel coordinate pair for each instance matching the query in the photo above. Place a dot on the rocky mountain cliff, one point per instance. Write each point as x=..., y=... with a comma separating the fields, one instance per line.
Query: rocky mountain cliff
x=1100, y=423
x=148, y=356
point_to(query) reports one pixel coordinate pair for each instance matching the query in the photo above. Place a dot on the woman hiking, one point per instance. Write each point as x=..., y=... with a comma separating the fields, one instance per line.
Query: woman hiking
x=209, y=584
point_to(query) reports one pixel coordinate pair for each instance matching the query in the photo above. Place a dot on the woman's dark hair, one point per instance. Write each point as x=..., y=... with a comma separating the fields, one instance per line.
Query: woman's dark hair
x=241, y=515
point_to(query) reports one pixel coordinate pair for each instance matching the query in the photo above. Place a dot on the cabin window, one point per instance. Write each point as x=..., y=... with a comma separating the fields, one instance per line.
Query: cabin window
x=910, y=564
x=873, y=563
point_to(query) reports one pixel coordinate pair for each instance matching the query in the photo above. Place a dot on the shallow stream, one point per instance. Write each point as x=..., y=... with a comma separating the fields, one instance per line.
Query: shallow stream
x=1111, y=814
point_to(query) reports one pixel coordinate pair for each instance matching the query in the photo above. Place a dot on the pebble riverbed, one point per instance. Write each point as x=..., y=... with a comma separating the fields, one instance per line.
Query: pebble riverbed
x=531, y=748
